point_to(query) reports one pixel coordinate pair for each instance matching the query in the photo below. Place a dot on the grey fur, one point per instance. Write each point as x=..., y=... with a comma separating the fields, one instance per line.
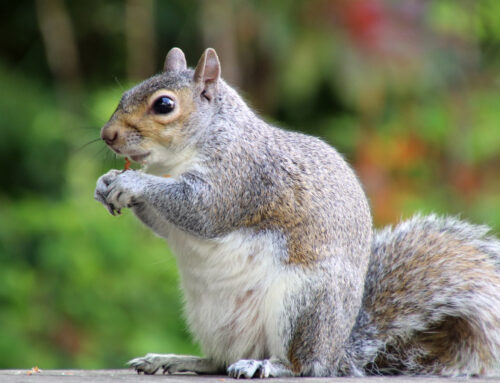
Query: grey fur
x=432, y=301
x=253, y=178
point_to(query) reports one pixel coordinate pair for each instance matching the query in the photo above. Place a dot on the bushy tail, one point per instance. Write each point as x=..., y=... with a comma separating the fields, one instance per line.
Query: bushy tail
x=431, y=303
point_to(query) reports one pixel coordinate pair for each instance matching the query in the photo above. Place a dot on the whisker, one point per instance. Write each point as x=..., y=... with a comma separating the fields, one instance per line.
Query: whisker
x=115, y=161
x=83, y=133
x=119, y=83
x=86, y=144
x=161, y=261
x=103, y=153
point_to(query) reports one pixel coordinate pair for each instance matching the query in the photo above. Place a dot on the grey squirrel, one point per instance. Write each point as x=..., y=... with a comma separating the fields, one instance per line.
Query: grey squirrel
x=281, y=270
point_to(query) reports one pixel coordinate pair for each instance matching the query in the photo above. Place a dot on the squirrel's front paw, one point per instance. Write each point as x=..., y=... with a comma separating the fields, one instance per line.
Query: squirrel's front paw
x=118, y=189
x=148, y=364
x=102, y=188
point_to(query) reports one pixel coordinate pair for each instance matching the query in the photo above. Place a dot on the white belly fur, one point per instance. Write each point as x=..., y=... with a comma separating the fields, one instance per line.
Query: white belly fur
x=234, y=289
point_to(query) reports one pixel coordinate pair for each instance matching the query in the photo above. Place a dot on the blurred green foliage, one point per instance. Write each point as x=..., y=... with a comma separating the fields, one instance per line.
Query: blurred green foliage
x=78, y=287
x=407, y=90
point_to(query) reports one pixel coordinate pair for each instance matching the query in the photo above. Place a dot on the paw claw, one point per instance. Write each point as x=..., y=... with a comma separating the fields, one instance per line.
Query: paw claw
x=245, y=369
x=143, y=365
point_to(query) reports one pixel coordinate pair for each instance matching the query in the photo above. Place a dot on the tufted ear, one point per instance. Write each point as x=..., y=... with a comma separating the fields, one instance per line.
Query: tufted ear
x=175, y=61
x=207, y=73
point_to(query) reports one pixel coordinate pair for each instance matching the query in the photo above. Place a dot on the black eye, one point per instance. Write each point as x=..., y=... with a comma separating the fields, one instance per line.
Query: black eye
x=163, y=105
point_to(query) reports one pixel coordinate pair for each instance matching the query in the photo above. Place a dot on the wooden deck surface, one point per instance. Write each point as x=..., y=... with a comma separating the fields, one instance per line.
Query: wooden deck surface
x=102, y=376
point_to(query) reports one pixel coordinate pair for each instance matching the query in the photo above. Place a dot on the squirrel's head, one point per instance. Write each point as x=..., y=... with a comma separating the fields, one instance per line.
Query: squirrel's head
x=159, y=117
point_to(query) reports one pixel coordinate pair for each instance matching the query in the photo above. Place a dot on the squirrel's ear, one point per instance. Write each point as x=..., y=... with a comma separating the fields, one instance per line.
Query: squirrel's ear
x=207, y=73
x=175, y=61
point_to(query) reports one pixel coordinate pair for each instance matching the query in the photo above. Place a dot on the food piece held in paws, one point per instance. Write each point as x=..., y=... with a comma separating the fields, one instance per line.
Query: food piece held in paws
x=127, y=164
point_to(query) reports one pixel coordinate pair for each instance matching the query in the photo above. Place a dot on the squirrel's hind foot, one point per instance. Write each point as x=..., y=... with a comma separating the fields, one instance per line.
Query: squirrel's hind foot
x=250, y=368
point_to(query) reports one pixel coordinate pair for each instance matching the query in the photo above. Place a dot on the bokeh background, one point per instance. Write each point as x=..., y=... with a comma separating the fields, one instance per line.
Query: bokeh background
x=407, y=90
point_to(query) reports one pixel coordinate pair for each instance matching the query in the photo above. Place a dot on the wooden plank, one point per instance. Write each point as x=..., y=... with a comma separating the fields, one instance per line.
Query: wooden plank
x=104, y=376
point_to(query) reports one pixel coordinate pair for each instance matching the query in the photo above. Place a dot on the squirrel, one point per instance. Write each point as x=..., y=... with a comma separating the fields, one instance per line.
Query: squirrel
x=281, y=269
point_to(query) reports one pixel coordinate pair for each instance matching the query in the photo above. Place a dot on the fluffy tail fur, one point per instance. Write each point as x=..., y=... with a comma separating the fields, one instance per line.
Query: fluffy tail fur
x=431, y=303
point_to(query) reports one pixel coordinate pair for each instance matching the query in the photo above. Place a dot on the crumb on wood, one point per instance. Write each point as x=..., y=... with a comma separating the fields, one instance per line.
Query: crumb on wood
x=34, y=370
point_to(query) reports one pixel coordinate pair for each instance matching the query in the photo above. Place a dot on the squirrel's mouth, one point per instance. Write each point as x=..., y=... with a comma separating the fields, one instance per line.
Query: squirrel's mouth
x=139, y=157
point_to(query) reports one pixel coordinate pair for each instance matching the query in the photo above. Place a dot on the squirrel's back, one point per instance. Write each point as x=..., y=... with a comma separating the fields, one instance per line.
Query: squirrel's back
x=288, y=181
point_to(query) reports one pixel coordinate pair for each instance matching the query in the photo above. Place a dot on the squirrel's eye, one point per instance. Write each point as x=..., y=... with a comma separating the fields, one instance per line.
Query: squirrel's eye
x=163, y=105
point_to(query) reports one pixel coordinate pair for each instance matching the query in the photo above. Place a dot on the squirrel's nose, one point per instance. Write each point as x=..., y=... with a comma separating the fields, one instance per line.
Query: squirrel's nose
x=109, y=136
